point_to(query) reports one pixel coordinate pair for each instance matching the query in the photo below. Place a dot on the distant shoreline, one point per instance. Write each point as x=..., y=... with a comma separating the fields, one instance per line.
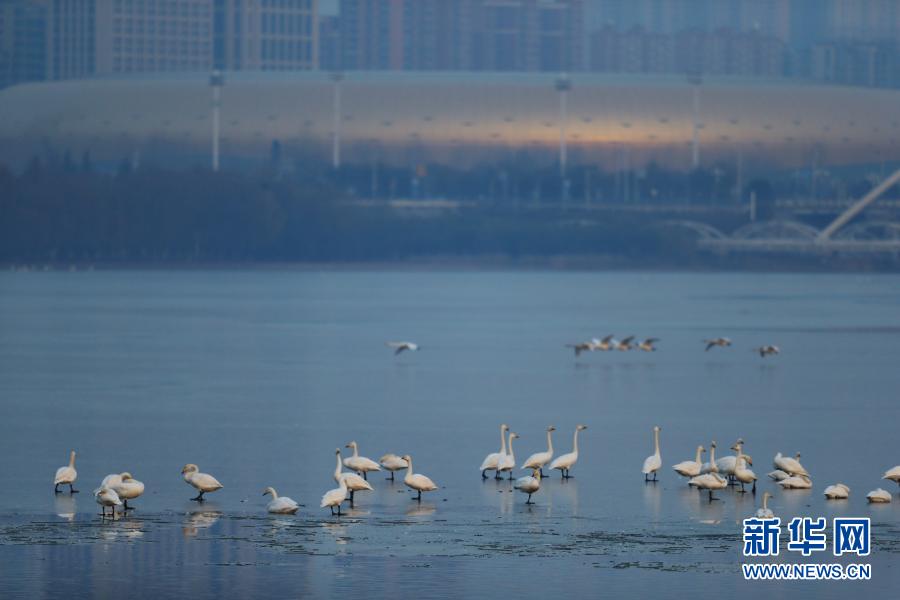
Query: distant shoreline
x=749, y=264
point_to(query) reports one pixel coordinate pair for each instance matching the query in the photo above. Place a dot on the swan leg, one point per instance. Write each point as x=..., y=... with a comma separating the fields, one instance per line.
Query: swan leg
x=332, y=510
x=56, y=489
x=72, y=490
x=339, y=510
x=483, y=476
x=125, y=505
x=199, y=497
x=754, y=486
x=529, y=500
x=351, y=497
x=419, y=497
x=364, y=476
x=654, y=475
x=497, y=474
x=510, y=475
x=392, y=476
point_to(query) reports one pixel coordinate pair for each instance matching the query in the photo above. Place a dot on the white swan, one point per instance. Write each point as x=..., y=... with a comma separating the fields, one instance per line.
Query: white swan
x=741, y=473
x=402, y=347
x=796, y=482
x=128, y=488
x=203, y=482
x=107, y=497
x=567, y=461
x=392, y=463
x=539, y=459
x=789, y=465
x=878, y=495
x=582, y=347
x=335, y=497
x=358, y=463
x=490, y=461
x=765, y=512
x=653, y=462
x=280, y=505
x=710, y=481
x=838, y=491
x=690, y=468
x=529, y=484
x=892, y=474
x=418, y=482
x=726, y=464
x=66, y=476
x=508, y=461
x=354, y=482
x=778, y=475
x=111, y=480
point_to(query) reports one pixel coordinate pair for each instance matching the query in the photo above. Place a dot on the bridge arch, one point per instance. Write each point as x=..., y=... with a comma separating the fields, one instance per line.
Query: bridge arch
x=776, y=230
x=870, y=230
x=703, y=231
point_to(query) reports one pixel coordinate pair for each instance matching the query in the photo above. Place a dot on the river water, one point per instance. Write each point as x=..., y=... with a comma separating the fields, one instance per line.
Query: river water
x=258, y=375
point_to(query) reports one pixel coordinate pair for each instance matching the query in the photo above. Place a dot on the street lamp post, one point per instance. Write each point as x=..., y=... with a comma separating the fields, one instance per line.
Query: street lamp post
x=563, y=85
x=216, y=81
x=336, y=78
x=695, y=80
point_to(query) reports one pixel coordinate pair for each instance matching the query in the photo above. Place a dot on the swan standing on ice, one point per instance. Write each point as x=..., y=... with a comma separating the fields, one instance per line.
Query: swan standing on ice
x=418, y=482
x=838, y=491
x=765, y=512
x=710, y=481
x=539, y=459
x=726, y=464
x=789, y=465
x=203, y=482
x=722, y=342
x=358, y=463
x=765, y=351
x=392, y=463
x=796, y=482
x=653, y=462
x=529, y=484
x=402, y=347
x=508, y=461
x=741, y=473
x=354, y=482
x=647, y=345
x=66, y=476
x=128, y=488
x=280, y=505
x=335, y=497
x=893, y=474
x=107, y=497
x=690, y=468
x=491, y=460
x=567, y=461
x=879, y=496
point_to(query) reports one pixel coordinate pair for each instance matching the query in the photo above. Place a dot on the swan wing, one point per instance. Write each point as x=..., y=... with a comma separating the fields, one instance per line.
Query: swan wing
x=421, y=482
x=651, y=464
x=536, y=460
x=688, y=468
x=892, y=474
x=490, y=461
x=65, y=475
x=205, y=482
x=355, y=482
x=564, y=461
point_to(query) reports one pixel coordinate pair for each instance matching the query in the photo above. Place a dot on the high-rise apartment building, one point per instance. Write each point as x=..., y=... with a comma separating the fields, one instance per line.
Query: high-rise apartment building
x=266, y=35
x=23, y=41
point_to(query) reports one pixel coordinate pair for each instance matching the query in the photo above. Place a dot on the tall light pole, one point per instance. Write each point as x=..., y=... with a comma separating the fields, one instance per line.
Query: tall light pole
x=563, y=85
x=216, y=81
x=695, y=79
x=336, y=79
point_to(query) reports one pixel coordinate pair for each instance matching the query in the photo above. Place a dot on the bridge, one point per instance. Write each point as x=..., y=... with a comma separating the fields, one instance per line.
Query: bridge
x=794, y=237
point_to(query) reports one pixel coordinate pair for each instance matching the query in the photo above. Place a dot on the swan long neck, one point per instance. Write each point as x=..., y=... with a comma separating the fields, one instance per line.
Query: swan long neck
x=510, y=453
x=739, y=449
x=699, y=452
x=355, y=450
x=337, y=469
x=575, y=441
x=273, y=493
x=502, y=441
x=656, y=440
x=409, y=468
x=549, y=441
x=765, y=501
x=72, y=459
x=712, y=459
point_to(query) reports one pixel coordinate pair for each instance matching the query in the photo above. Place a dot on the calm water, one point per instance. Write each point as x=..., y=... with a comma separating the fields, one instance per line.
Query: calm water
x=258, y=375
